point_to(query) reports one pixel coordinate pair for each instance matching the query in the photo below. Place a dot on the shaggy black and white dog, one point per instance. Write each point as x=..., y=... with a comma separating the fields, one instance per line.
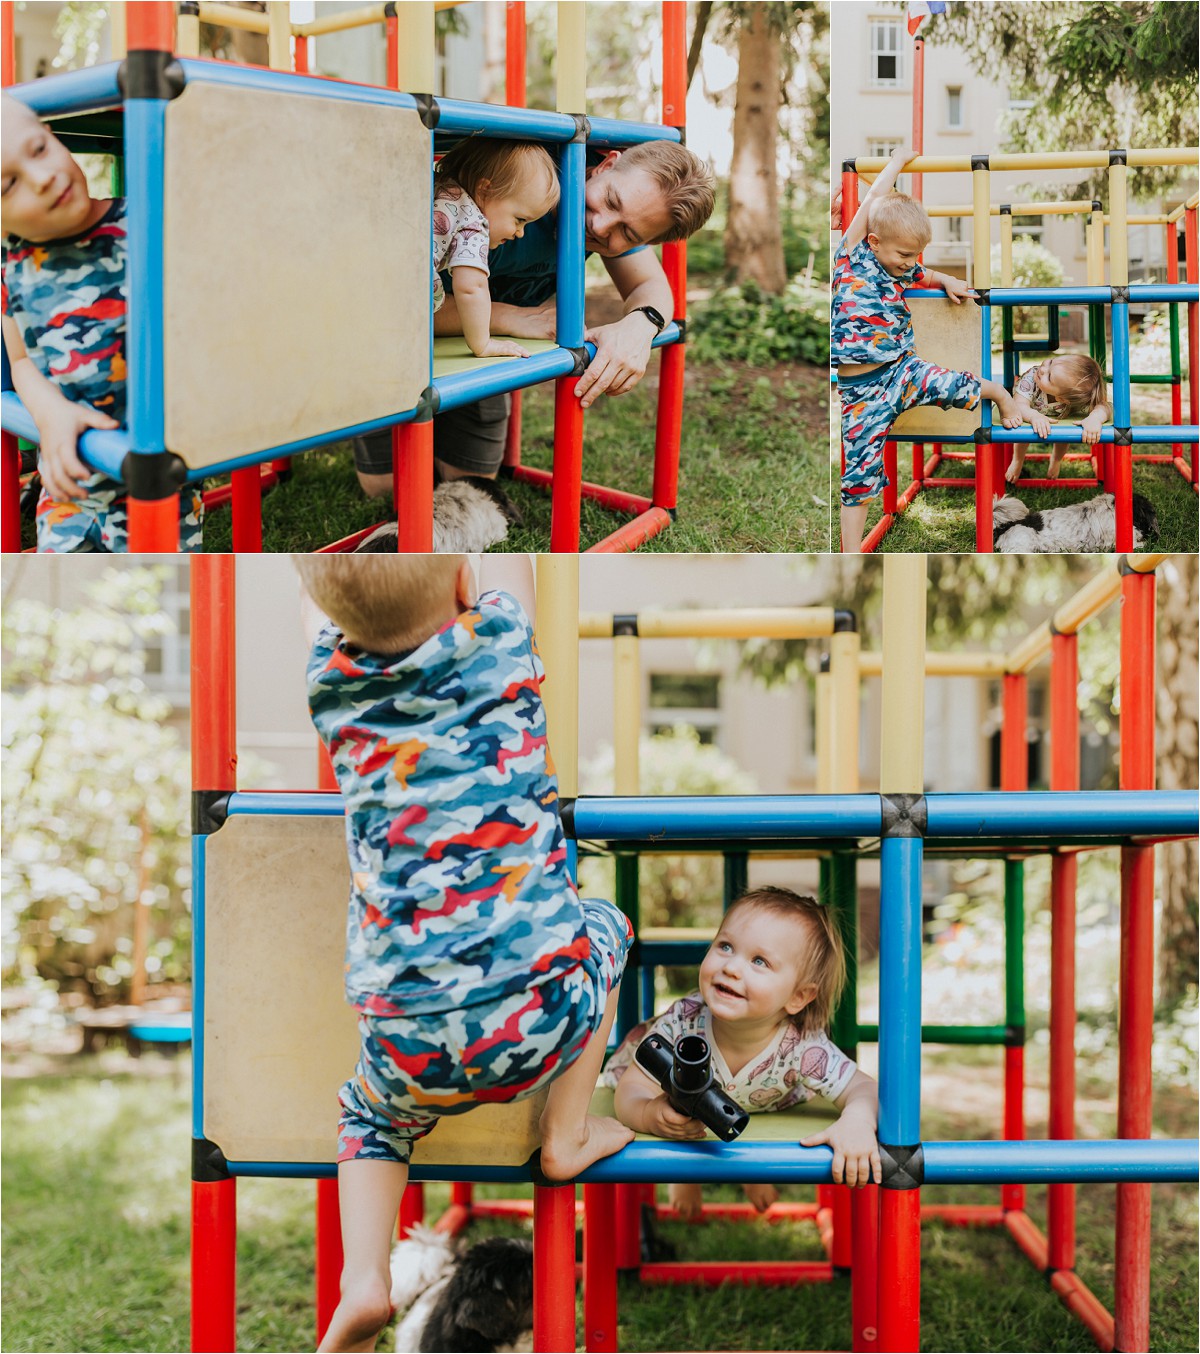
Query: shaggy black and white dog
x=479, y=1300
x=1079, y=528
x=469, y=515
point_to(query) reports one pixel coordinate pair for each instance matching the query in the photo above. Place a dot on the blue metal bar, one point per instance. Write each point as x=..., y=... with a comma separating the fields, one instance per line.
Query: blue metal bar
x=145, y=160
x=458, y=117
x=286, y=82
x=1090, y=813
x=613, y=134
x=1121, y=415
x=998, y=1163
x=306, y=805
x=1067, y=432
x=465, y=387
x=571, y=216
x=89, y=90
x=900, y=991
x=1162, y=291
x=1067, y=296
x=745, y=817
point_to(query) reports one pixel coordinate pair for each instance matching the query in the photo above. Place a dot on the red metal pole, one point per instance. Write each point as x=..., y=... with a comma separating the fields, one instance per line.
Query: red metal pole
x=985, y=475
x=8, y=65
x=153, y=525
x=841, y=1253
x=1064, y=775
x=391, y=75
x=899, y=1270
x=214, y=1265
x=1192, y=270
x=890, y=489
x=864, y=1276
x=1014, y=775
x=329, y=1254
x=554, y=1269
x=150, y=26
x=300, y=58
x=668, y=431
x=918, y=113
x=565, y=503
x=246, y=507
x=412, y=1208
x=849, y=196
x=412, y=485
x=599, y=1268
x=214, y=673
x=627, y=1228
x=10, y=490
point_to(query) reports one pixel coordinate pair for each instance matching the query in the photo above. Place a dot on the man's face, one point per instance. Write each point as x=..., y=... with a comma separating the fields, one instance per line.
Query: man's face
x=623, y=208
x=43, y=193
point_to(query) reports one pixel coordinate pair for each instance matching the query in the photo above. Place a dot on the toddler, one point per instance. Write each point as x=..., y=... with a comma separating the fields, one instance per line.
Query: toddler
x=1066, y=386
x=768, y=986
x=485, y=193
x=871, y=340
x=478, y=973
x=64, y=330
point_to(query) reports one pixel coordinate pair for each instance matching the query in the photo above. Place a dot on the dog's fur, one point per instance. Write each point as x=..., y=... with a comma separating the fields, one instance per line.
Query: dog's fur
x=1079, y=528
x=469, y=515
x=481, y=1300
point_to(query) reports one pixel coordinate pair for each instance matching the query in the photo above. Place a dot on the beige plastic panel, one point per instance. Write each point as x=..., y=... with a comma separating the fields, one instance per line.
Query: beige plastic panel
x=950, y=336
x=782, y=1126
x=451, y=354
x=279, y=1039
x=297, y=267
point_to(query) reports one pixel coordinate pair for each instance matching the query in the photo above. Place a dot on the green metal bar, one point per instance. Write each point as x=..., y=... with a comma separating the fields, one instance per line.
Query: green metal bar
x=1146, y=379
x=628, y=1002
x=736, y=879
x=948, y=1034
x=1014, y=944
x=841, y=891
x=1173, y=320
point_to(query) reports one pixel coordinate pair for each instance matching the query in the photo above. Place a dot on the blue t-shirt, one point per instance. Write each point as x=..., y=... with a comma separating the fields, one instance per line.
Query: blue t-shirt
x=869, y=318
x=459, y=886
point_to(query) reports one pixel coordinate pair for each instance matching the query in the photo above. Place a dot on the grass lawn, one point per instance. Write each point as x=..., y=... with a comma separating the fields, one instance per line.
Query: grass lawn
x=95, y=1178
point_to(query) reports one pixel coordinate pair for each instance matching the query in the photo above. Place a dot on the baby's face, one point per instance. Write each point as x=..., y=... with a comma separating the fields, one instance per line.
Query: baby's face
x=753, y=968
x=508, y=216
x=43, y=192
x=1046, y=380
x=897, y=255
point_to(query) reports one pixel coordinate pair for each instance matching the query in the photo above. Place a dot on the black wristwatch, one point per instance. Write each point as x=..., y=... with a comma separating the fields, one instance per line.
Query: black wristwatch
x=652, y=315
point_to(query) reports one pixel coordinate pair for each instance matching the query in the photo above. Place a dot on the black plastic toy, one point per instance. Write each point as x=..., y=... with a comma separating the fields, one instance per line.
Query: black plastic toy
x=684, y=1071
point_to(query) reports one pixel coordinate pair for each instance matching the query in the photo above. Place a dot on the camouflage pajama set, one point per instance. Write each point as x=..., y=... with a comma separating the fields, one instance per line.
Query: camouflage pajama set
x=870, y=322
x=67, y=298
x=478, y=973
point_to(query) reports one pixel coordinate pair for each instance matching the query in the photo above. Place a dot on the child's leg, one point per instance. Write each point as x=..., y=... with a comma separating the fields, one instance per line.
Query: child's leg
x=1004, y=402
x=1057, y=451
x=369, y=1193
x=686, y=1200
x=761, y=1196
x=853, y=523
x=867, y=418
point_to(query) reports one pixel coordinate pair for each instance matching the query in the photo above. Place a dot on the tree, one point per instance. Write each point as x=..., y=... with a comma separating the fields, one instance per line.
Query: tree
x=1101, y=73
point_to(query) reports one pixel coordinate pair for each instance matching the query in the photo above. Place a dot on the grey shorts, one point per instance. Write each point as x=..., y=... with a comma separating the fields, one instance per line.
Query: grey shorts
x=470, y=438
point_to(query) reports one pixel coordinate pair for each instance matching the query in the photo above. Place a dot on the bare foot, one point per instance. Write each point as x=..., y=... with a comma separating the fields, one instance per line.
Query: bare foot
x=565, y=1154
x=687, y=1201
x=361, y=1314
x=1006, y=406
x=761, y=1196
x=1015, y=466
x=1056, y=460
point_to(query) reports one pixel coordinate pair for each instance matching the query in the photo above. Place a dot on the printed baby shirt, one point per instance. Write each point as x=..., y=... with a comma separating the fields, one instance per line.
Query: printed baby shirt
x=460, y=235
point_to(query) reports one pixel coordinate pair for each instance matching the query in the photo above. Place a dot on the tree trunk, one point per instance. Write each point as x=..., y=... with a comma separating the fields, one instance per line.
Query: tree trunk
x=753, y=233
x=1177, y=770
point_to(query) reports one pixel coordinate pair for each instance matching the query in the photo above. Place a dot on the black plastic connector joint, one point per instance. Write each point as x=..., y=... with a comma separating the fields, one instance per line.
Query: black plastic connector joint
x=903, y=1167
x=980, y=162
x=151, y=477
x=672, y=513
x=983, y=435
x=581, y=360
x=208, y=1162
x=191, y=7
x=849, y=167
x=1122, y=437
x=1124, y=568
x=681, y=325
x=389, y=10
x=1118, y=157
x=1014, y=1036
x=1006, y=209
x=150, y=75
x=904, y=815
x=429, y=402
x=823, y=665
x=983, y=296
x=210, y=808
x=625, y=624
x=583, y=127
x=566, y=812
x=1119, y=295
x=428, y=110
x=1097, y=205
x=844, y=622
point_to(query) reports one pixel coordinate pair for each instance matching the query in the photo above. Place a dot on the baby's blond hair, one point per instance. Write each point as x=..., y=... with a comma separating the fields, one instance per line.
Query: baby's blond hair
x=896, y=216
x=383, y=603
x=1079, y=385
x=825, y=958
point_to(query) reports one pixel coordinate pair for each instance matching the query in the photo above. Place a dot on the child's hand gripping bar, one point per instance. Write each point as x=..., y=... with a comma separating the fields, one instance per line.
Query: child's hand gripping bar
x=684, y=1071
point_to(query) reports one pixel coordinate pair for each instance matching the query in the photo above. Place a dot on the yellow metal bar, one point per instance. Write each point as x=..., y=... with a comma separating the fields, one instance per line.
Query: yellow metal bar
x=982, y=240
x=1141, y=159
x=1006, y=238
x=120, y=46
x=595, y=625
x=337, y=23
x=902, y=754
x=627, y=714
x=1095, y=249
x=1019, y=209
x=1143, y=564
x=1118, y=231
x=1161, y=219
x=824, y=731
x=870, y=664
x=228, y=16
x=572, y=57
x=1092, y=598
x=279, y=35
x=416, y=46
x=1034, y=647
x=801, y=622
x=558, y=642
x=1064, y=159
x=845, y=711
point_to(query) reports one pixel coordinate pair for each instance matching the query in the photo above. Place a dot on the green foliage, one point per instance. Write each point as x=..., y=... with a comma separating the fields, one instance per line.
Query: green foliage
x=1033, y=266
x=95, y=793
x=624, y=72
x=744, y=324
x=805, y=241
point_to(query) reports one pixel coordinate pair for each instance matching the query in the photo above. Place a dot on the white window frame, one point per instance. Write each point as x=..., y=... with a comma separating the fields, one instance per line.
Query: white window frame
x=961, y=124
x=881, y=147
x=894, y=47
x=663, y=718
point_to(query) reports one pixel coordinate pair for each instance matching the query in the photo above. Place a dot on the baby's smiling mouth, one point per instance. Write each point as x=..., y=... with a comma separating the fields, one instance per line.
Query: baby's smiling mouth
x=726, y=991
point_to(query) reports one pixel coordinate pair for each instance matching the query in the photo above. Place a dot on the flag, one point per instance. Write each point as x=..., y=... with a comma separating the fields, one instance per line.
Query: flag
x=918, y=9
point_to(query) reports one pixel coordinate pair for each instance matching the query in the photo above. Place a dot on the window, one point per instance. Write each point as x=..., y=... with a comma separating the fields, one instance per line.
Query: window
x=887, y=63
x=954, y=108
x=954, y=229
x=693, y=699
x=168, y=657
x=882, y=147
x=1017, y=99
x=1032, y=227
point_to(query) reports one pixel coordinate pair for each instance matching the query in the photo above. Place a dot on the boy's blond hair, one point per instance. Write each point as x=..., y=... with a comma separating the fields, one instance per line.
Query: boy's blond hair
x=825, y=959
x=504, y=164
x=1079, y=385
x=898, y=216
x=687, y=186
x=383, y=603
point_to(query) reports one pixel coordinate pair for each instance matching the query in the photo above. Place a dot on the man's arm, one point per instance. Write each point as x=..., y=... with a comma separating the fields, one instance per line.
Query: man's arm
x=856, y=232
x=531, y=322
x=623, y=348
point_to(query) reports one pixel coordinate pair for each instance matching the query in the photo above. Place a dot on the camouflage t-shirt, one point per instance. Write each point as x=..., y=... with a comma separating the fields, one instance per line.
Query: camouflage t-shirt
x=869, y=319
x=459, y=892
x=68, y=299
x=788, y=1072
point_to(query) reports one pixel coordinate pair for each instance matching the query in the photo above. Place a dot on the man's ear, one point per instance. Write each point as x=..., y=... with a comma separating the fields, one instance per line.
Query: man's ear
x=610, y=161
x=466, y=590
x=800, y=999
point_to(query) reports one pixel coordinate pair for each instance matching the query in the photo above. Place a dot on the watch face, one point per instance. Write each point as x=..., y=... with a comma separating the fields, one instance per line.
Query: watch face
x=654, y=317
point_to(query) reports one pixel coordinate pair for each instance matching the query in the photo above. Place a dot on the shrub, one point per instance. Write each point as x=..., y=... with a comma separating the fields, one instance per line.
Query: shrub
x=744, y=324
x=1033, y=266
